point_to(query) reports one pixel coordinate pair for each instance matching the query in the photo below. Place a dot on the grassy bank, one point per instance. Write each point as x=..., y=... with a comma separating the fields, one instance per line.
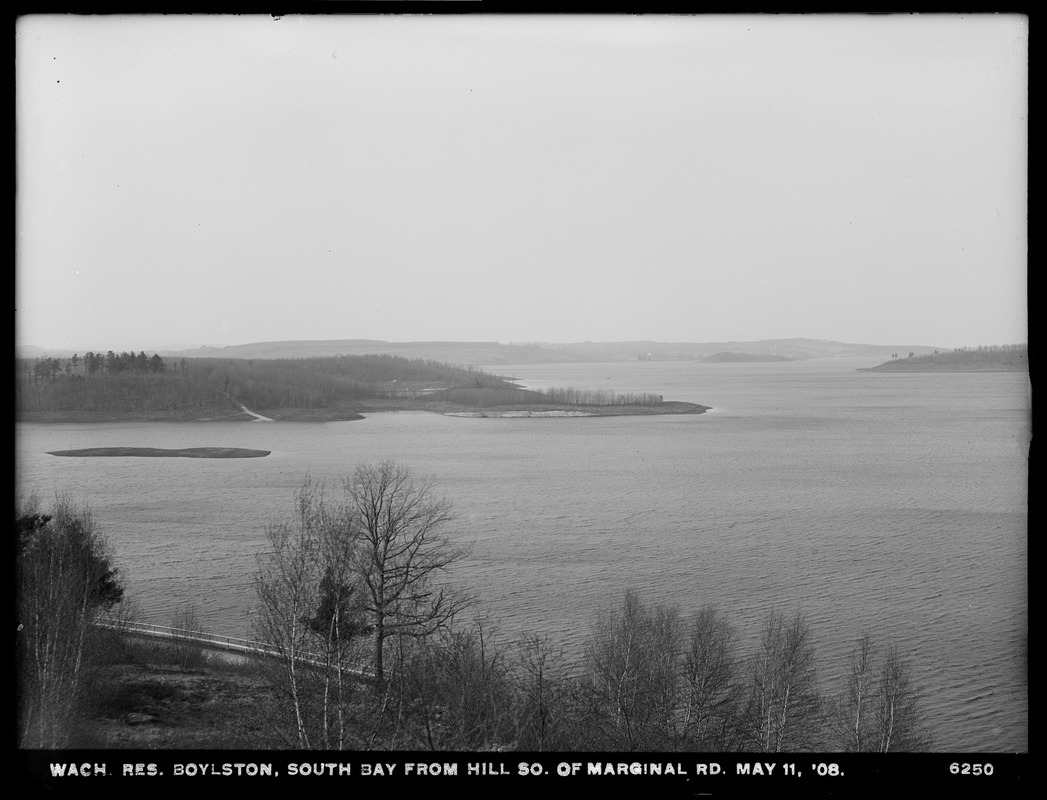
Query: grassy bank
x=150, y=696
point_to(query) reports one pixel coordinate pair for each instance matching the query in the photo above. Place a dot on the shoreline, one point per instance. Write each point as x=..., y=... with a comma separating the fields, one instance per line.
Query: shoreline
x=349, y=415
x=531, y=412
x=953, y=369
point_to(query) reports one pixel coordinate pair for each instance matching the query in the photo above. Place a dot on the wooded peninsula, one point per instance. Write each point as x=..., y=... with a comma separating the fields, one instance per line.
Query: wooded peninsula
x=1001, y=358
x=97, y=387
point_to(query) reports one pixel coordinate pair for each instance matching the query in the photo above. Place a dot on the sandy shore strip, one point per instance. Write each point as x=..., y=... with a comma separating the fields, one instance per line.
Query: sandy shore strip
x=518, y=414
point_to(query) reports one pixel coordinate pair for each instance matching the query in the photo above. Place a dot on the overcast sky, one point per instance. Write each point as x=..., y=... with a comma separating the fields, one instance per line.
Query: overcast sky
x=224, y=180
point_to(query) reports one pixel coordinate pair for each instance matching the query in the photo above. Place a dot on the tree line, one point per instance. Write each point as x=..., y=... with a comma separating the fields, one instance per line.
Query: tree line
x=508, y=395
x=129, y=383
x=65, y=581
x=214, y=386
x=1011, y=356
x=600, y=397
x=49, y=369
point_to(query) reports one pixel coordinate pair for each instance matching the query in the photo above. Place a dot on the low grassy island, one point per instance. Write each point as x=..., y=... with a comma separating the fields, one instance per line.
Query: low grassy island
x=160, y=452
x=738, y=358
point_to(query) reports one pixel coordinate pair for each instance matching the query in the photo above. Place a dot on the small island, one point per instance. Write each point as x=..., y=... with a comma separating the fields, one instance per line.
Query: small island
x=160, y=452
x=733, y=358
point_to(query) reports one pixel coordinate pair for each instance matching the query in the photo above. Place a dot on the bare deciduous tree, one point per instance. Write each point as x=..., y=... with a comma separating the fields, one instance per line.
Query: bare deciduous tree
x=342, y=571
x=879, y=710
x=189, y=654
x=65, y=581
x=854, y=710
x=457, y=690
x=308, y=614
x=287, y=594
x=899, y=721
x=632, y=673
x=540, y=681
x=711, y=685
x=784, y=710
x=398, y=523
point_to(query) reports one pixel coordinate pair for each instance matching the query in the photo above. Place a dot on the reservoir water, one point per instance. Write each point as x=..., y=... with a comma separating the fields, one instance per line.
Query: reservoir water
x=890, y=503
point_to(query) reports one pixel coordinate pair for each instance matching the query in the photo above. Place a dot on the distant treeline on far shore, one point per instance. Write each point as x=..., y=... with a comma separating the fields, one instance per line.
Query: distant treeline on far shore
x=996, y=358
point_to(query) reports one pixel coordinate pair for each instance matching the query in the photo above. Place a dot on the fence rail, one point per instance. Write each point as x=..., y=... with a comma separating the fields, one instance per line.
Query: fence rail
x=229, y=644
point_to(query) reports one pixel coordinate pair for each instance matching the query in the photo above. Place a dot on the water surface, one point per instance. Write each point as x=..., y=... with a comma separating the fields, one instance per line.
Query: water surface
x=894, y=504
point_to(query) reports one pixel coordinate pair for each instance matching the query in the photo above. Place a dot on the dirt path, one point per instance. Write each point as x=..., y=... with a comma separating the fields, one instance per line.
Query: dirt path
x=257, y=417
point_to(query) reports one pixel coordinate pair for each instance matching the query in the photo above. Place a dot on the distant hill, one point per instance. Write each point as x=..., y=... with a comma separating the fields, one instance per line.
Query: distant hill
x=36, y=351
x=449, y=352
x=493, y=353
x=728, y=357
x=32, y=351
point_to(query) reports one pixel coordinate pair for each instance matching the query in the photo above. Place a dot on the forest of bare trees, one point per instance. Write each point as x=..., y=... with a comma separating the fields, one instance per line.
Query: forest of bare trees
x=206, y=386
